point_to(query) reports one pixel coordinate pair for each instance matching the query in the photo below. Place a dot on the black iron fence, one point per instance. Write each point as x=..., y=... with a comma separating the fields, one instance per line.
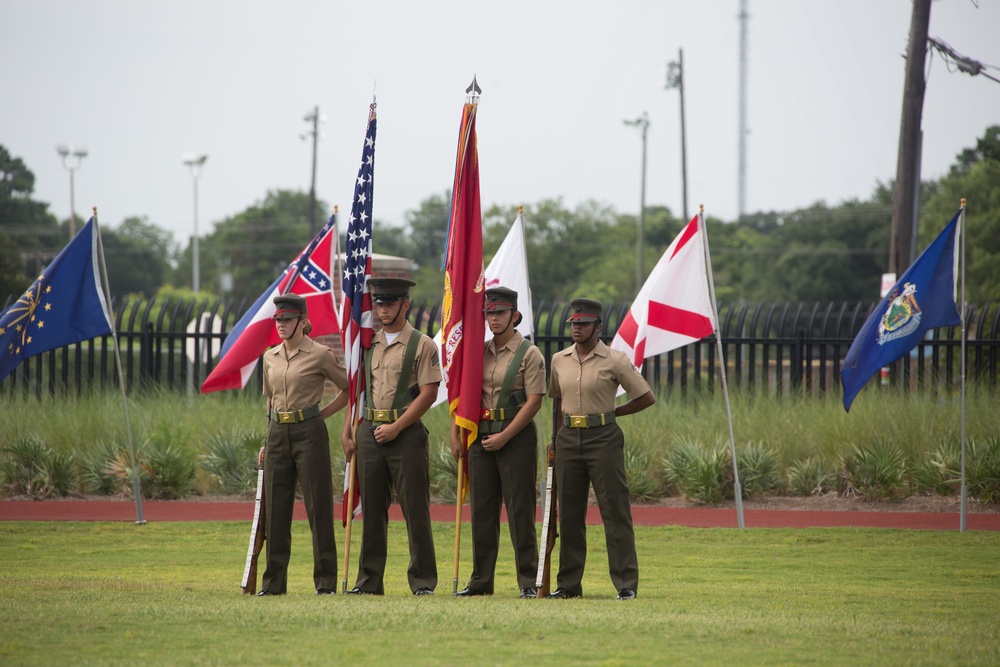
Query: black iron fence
x=780, y=348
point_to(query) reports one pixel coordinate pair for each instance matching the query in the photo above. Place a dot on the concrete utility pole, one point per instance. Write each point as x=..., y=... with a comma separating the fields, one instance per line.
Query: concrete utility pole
x=744, y=17
x=642, y=123
x=904, y=205
x=312, y=117
x=675, y=79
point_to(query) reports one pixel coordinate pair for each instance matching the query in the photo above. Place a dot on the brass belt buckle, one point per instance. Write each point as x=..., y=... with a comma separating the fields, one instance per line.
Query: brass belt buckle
x=380, y=415
x=486, y=415
x=576, y=421
x=286, y=417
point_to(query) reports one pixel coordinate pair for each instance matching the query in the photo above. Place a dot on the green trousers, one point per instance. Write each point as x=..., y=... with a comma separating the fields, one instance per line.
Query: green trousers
x=298, y=452
x=404, y=465
x=595, y=456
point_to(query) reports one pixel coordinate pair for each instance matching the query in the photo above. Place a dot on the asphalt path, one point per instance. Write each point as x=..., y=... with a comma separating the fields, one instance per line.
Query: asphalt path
x=642, y=515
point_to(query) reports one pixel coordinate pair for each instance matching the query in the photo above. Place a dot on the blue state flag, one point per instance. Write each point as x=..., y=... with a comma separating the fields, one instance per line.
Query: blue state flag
x=65, y=305
x=923, y=299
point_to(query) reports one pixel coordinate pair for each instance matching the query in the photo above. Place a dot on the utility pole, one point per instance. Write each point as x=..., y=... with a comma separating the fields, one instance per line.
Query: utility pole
x=904, y=205
x=643, y=124
x=313, y=118
x=744, y=17
x=675, y=79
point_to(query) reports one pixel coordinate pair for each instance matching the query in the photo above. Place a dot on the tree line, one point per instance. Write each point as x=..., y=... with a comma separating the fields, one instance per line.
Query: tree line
x=817, y=253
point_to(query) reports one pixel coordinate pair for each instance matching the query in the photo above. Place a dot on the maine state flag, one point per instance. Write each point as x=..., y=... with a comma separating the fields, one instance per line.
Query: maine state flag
x=65, y=305
x=923, y=299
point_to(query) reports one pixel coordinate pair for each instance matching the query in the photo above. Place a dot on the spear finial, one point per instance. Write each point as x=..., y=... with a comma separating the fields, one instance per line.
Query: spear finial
x=473, y=90
x=962, y=202
x=520, y=209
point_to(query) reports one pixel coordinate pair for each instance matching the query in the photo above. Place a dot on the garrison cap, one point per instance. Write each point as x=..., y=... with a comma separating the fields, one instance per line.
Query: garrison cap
x=388, y=290
x=289, y=306
x=500, y=298
x=585, y=310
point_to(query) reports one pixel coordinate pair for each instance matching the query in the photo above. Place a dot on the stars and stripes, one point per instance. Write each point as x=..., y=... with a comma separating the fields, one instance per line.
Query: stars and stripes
x=356, y=310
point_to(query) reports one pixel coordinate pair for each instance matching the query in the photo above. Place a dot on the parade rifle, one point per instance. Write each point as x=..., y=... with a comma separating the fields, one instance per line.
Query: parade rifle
x=550, y=513
x=257, y=538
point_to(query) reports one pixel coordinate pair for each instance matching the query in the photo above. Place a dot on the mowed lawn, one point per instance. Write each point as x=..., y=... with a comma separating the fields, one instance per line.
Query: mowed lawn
x=168, y=593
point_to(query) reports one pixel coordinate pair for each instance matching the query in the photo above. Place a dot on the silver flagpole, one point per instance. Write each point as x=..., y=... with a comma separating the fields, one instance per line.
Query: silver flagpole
x=737, y=489
x=965, y=496
x=136, y=487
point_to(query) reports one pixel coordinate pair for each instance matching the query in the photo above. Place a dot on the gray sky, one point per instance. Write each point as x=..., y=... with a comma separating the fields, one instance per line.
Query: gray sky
x=141, y=83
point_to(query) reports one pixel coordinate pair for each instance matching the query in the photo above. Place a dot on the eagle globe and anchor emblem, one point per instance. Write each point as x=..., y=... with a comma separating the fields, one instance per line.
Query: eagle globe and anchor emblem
x=902, y=315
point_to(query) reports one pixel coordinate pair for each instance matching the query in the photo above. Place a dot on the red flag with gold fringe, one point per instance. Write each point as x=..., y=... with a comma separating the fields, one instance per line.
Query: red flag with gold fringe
x=463, y=325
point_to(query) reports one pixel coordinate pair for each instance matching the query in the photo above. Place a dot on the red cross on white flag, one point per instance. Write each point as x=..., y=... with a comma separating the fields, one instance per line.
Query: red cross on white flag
x=674, y=307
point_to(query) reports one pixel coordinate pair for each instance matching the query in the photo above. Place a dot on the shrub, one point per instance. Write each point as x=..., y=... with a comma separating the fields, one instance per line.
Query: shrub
x=96, y=469
x=231, y=459
x=444, y=475
x=941, y=472
x=702, y=474
x=28, y=467
x=758, y=468
x=642, y=481
x=878, y=472
x=982, y=469
x=808, y=477
x=171, y=472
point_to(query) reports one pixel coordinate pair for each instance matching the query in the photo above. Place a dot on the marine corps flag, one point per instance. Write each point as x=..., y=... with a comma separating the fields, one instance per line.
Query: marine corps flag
x=923, y=299
x=463, y=325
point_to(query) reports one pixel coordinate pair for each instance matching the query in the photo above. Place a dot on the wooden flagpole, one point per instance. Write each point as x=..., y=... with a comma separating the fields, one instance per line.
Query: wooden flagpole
x=350, y=514
x=460, y=487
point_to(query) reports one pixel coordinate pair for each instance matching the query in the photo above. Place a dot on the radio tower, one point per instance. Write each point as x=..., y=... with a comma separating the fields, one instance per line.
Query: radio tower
x=744, y=19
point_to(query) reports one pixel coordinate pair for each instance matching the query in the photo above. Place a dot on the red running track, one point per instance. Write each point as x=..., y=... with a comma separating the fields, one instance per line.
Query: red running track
x=176, y=510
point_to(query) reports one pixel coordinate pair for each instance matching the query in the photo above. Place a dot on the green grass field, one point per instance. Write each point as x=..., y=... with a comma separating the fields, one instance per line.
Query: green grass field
x=168, y=593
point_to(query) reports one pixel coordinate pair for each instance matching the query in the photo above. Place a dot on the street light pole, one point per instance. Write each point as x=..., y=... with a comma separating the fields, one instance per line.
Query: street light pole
x=78, y=153
x=675, y=79
x=195, y=162
x=643, y=124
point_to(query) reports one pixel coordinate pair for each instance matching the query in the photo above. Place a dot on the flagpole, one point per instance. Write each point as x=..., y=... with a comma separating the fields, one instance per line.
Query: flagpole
x=965, y=496
x=350, y=513
x=459, y=491
x=737, y=489
x=524, y=258
x=136, y=486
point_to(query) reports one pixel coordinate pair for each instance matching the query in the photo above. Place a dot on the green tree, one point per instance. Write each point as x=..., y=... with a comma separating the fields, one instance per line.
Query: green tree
x=254, y=246
x=977, y=182
x=27, y=230
x=138, y=256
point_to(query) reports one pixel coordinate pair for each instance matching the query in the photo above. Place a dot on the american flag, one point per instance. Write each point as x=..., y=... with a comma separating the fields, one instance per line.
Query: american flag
x=356, y=312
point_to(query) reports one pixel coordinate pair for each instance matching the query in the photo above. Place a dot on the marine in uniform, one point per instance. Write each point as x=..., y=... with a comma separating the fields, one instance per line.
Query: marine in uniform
x=503, y=461
x=297, y=447
x=584, y=379
x=402, y=374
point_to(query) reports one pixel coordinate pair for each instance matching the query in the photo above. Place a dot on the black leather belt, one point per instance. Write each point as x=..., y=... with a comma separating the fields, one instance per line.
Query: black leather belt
x=295, y=416
x=588, y=421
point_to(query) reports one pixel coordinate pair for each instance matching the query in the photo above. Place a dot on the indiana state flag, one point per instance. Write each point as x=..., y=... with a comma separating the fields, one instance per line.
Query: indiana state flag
x=923, y=299
x=65, y=305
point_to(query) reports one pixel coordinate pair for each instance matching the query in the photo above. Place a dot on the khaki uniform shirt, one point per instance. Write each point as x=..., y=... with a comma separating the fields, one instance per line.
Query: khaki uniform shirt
x=589, y=387
x=530, y=376
x=298, y=383
x=387, y=364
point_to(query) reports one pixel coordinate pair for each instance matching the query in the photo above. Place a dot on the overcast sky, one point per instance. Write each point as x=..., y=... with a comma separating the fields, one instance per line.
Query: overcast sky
x=139, y=84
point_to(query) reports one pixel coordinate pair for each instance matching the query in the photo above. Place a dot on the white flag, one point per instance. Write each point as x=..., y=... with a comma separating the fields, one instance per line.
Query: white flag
x=674, y=307
x=508, y=268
